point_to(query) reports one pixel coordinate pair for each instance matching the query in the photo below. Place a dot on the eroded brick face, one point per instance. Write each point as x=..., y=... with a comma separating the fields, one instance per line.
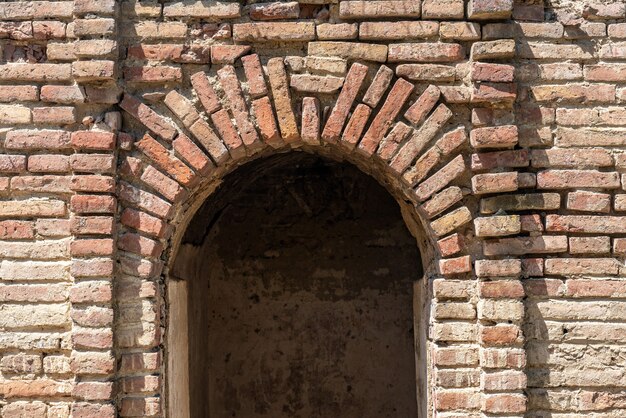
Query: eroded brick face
x=500, y=123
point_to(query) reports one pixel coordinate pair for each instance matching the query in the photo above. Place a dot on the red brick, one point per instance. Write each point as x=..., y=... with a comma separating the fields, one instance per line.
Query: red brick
x=578, y=266
x=90, y=363
x=266, y=122
x=425, y=52
x=497, y=73
x=570, y=179
x=91, y=225
x=45, y=163
x=16, y=230
x=40, y=388
x=205, y=92
x=310, y=120
x=494, y=93
x=589, y=245
x=228, y=133
x=589, y=201
x=337, y=119
x=144, y=200
x=87, y=183
x=141, y=221
x=281, y=94
x=500, y=159
x=12, y=163
x=502, y=289
x=92, y=163
x=37, y=139
x=148, y=117
x=379, y=86
x=500, y=335
x=92, y=268
x=457, y=265
x=169, y=188
x=416, y=114
x=440, y=179
x=91, y=247
x=489, y=9
x=254, y=74
x=162, y=158
x=93, y=391
x=274, y=11
x=59, y=115
x=138, y=244
x=356, y=125
x=456, y=400
x=450, y=245
x=11, y=94
x=92, y=339
x=586, y=224
x=504, y=403
x=93, y=204
x=494, y=137
x=442, y=201
x=498, y=268
x=525, y=245
x=192, y=154
x=157, y=74
x=495, y=183
x=385, y=116
x=394, y=139
x=238, y=107
x=416, y=142
x=596, y=288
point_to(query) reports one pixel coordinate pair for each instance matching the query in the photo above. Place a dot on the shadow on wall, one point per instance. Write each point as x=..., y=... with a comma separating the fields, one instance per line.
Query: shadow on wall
x=301, y=274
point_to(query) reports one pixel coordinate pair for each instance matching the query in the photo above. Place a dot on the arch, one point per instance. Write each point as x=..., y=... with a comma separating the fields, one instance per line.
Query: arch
x=410, y=141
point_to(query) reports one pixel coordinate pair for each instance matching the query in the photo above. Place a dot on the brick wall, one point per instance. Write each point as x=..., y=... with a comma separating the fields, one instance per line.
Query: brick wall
x=501, y=121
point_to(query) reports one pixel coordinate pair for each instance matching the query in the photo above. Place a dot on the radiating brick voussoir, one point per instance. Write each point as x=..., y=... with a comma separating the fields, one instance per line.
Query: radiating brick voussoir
x=148, y=117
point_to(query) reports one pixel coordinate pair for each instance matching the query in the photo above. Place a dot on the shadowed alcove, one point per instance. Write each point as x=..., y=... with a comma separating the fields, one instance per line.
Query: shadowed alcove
x=303, y=293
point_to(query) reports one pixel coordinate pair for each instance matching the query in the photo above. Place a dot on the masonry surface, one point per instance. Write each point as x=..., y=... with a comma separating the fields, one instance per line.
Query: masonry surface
x=497, y=125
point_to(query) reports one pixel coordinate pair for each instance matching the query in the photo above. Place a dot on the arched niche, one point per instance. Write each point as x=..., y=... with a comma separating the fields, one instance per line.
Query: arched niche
x=325, y=317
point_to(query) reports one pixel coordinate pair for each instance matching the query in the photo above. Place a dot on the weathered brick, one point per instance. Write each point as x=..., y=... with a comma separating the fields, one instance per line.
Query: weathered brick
x=276, y=31
x=337, y=119
x=418, y=140
x=310, y=120
x=228, y=54
x=489, y=9
x=451, y=221
x=440, y=179
x=337, y=31
x=238, y=107
x=400, y=31
x=356, y=125
x=385, y=116
x=148, y=117
x=500, y=49
x=459, y=31
x=589, y=201
x=586, y=224
x=498, y=73
x=446, y=9
x=525, y=245
x=497, y=226
x=457, y=265
x=494, y=137
x=378, y=87
x=162, y=159
x=425, y=52
x=349, y=50
x=566, y=179
x=358, y=9
x=495, y=183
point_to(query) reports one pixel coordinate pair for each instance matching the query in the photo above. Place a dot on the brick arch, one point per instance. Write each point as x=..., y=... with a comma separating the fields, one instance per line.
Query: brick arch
x=377, y=121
